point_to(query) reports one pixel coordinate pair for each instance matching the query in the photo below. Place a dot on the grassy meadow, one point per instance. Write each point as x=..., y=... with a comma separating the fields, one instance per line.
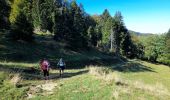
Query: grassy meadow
x=90, y=75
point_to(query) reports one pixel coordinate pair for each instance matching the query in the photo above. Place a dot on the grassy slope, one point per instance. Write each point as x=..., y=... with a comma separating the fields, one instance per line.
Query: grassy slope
x=22, y=58
x=143, y=85
x=77, y=83
x=159, y=74
x=46, y=47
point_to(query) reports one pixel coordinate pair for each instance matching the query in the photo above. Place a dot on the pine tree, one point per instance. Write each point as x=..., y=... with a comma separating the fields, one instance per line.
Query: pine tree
x=117, y=28
x=21, y=26
x=92, y=36
x=122, y=39
x=36, y=14
x=22, y=29
x=43, y=13
x=126, y=43
x=4, y=13
x=98, y=34
x=106, y=24
x=60, y=27
x=78, y=34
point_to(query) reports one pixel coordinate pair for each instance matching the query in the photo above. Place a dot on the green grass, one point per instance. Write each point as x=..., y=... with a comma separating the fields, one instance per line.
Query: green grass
x=81, y=87
x=80, y=84
x=124, y=86
x=106, y=79
x=160, y=74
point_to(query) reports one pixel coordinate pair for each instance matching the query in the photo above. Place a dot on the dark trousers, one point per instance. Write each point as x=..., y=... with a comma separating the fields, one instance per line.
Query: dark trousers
x=61, y=69
x=46, y=73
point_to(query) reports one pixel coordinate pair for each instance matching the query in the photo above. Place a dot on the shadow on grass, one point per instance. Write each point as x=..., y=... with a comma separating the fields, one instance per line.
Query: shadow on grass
x=67, y=74
x=46, y=47
x=35, y=74
x=82, y=63
x=132, y=67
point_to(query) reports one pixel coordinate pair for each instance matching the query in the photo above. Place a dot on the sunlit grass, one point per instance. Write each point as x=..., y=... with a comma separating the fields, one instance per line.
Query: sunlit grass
x=21, y=77
x=94, y=85
x=92, y=82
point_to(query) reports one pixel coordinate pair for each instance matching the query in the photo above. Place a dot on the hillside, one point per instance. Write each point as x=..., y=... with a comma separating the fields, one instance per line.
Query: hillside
x=90, y=74
x=139, y=33
x=19, y=63
x=103, y=59
x=46, y=47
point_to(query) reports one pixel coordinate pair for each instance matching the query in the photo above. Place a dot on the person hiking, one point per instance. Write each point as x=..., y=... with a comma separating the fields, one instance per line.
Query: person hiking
x=45, y=66
x=62, y=66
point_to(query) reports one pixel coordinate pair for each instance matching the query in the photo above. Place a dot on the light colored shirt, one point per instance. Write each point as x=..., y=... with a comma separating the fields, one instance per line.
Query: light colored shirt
x=61, y=63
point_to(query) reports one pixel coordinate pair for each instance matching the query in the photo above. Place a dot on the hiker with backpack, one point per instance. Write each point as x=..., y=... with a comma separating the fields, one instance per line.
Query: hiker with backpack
x=45, y=66
x=62, y=66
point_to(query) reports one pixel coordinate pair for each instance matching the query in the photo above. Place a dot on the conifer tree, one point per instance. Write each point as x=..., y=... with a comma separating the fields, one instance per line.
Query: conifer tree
x=21, y=26
x=106, y=24
x=4, y=13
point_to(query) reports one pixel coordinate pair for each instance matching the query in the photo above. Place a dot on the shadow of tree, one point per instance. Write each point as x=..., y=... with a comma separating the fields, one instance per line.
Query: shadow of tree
x=67, y=74
x=132, y=67
x=33, y=73
x=29, y=73
x=80, y=64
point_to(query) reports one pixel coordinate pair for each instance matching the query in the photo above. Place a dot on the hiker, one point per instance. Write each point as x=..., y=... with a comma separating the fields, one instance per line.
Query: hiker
x=45, y=65
x=62, y=66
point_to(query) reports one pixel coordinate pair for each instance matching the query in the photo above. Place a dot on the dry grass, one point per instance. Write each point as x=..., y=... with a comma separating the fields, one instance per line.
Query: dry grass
x=106, y=74
x=157, y=89
x=16, y=79
x=124, y=86
x=103, y=73
x=43, y=89
x=116, y=94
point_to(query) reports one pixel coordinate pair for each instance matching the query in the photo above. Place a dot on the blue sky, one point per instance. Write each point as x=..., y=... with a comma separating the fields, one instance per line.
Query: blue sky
x=147, y=16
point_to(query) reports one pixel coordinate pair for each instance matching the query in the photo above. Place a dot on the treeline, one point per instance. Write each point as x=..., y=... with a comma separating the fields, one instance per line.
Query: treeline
x=154, y=48
x=67, y=21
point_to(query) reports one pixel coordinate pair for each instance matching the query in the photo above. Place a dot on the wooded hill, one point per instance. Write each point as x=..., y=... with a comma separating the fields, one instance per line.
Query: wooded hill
x=67, y=22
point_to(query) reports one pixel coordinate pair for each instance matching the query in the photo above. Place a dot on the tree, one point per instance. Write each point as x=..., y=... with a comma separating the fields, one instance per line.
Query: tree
x=154, y=47
x=43, y=13
x=78, y=34
x=98, y=34
x=92, y=36
x=36, y=14
x=46, y=11
x=4, y=13
x=166, y=56
x=126, y=45
x=137, y=46
x=21, y=26
x=168, y=41
x=58, y=20
x=106, y=24
x=118, y=28
x=19, y=6
x=22, y=29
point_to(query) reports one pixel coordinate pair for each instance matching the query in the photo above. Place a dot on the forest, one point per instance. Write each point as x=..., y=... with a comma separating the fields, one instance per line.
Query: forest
x=67, y=22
